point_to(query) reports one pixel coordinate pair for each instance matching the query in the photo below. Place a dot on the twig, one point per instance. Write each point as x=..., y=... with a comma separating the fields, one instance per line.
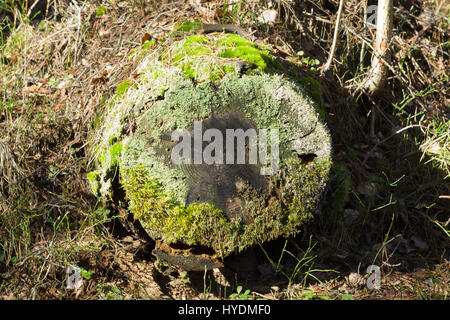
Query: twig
x=265, y=296
x=383, y=141
x=379, y=70
x=309, y=15
x=364, y=82
x=327, y=65
x=361, y=56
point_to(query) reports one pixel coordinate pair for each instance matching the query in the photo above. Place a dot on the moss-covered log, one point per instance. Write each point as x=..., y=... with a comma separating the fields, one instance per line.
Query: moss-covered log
x=225, y=83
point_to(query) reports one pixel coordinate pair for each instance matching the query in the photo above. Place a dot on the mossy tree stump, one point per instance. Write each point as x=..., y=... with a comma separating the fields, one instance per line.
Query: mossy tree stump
x=222, y=83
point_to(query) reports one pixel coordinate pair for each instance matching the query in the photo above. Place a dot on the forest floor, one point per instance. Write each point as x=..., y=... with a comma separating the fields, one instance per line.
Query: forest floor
x=390, y=183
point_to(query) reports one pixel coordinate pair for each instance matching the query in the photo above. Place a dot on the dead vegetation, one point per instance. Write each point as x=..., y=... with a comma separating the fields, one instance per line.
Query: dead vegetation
x=389, y=197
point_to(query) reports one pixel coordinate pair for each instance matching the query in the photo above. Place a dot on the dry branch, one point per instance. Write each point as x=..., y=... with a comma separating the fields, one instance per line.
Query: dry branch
x=327, y=65
x=378, y=73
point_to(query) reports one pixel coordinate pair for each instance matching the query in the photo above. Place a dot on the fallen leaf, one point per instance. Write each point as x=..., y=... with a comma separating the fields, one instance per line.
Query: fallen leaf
x=100, y=79
x=13, y=59
x=38, y=89
x=146, y=37
x=33, y=88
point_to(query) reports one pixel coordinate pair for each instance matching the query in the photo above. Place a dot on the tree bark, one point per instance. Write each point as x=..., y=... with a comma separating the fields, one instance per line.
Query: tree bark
x=378, y=74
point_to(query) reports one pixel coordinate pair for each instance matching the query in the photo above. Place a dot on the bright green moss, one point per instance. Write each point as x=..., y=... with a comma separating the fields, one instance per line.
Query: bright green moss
x=203, y=58
x=149, y=44
x=234, y=40
x=101, y=157
x=115, y=152
x=108, y=159
x=101, y=10
x=188, y=26
x=235, y=46
x=250, y=55
x=122, y=88
x=192, y=47
x=94, y=180
x=142, y=50
x=167, y=217
x=188, y=56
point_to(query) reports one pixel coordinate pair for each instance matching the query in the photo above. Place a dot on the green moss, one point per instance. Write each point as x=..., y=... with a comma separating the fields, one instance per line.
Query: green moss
x=149, y=44
x=192, y=47
x=122, y=88
x=115, y=152
x=110, y=156
x=339, y=194
x=108, y=159
x=305, y=180
x=94, y=180
x=101, y=10
x=235, y=46
x=202, y=58
x=312, y=86
x=188, y=26
x=234, y=40
x=186, y=56
x=167, y=217
x=190, y=80
x=142, y=50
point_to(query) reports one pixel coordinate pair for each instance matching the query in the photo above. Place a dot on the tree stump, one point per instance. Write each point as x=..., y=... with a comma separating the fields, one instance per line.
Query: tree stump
x=212, y=149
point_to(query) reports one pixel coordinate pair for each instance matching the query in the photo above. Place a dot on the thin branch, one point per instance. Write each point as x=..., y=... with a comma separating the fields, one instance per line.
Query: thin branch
x=327, y=65
x=379, y=68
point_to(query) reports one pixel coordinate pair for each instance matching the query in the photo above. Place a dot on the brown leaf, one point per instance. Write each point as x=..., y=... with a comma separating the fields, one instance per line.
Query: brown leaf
x=33, y=88
x=100, y=79
x=146, y=37
x=13, y=59
x=38, y=89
